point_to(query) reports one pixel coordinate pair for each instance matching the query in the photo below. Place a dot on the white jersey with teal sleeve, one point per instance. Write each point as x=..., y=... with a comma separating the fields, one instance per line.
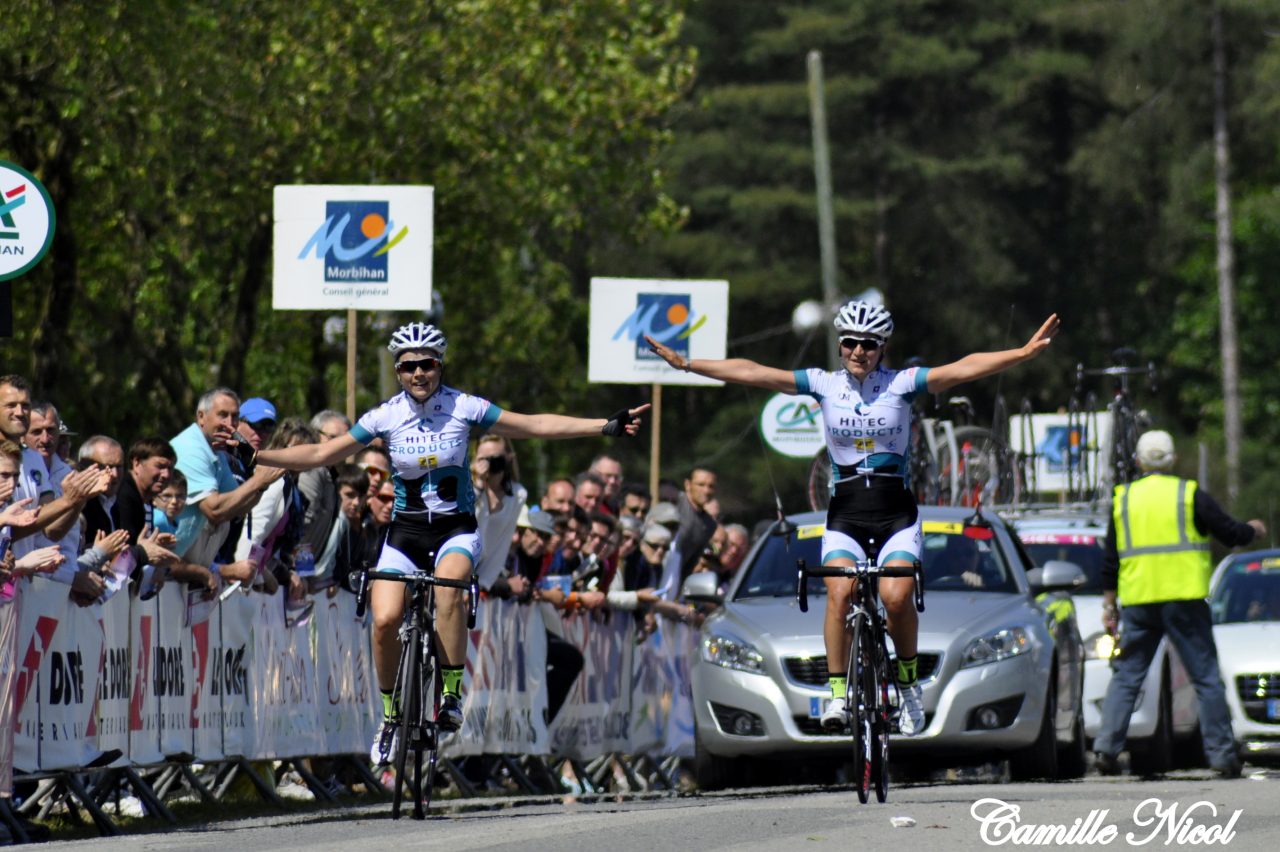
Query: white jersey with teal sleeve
x=429, y=446
x=868, y=423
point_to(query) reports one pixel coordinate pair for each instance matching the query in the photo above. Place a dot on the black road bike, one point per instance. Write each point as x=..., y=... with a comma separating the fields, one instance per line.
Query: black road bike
x=418, y=681
x=867, y=690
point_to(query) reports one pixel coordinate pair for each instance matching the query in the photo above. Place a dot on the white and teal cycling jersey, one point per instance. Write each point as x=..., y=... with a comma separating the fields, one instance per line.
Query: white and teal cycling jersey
x=429, y=445
x=867, y=424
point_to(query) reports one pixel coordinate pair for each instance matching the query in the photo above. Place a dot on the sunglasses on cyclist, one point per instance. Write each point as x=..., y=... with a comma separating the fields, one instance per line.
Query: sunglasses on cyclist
x=852, y=343
x=408, y=367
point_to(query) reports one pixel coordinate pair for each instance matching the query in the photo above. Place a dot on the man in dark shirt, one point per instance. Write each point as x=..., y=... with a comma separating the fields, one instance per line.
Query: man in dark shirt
x=1158, y=567
x=697, y=525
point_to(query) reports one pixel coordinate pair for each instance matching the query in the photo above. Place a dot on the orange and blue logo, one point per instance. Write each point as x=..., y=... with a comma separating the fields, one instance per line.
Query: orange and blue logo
x=667, y=318
x=354, y=240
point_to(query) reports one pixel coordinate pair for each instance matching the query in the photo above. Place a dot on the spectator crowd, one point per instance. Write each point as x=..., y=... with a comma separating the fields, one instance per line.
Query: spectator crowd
x=102, y=515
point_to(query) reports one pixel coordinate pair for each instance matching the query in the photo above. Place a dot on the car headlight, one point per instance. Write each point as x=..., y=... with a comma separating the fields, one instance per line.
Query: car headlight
x=732, y=653
x=995, y=646
x=1101, y=646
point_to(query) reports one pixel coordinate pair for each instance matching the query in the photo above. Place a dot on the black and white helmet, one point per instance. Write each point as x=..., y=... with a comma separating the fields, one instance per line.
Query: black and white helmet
x=864, y=318
x=418, y=335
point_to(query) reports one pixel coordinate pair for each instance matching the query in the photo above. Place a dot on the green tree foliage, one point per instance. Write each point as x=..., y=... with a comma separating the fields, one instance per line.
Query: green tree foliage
x=992, y=162
x=161, y=130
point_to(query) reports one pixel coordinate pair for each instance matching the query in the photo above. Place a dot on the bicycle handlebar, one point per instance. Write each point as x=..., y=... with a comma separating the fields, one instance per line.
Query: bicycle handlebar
x=470, y=585
x=855, y=572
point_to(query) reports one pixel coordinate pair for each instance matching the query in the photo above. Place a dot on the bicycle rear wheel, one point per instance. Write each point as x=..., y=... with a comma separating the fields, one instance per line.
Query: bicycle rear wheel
x=410, y=712
x=860, y=700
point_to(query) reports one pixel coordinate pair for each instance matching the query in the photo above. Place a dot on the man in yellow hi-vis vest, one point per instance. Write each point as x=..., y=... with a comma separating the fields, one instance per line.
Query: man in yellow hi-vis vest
x=1157, y=562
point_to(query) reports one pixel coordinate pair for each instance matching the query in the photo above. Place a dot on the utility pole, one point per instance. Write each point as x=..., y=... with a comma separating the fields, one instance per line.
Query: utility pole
x=826, y=218
x=1226, y=264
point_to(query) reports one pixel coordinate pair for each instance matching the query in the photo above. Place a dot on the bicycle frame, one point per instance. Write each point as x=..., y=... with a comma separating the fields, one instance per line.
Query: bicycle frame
x=417, y=679
x=867, y=684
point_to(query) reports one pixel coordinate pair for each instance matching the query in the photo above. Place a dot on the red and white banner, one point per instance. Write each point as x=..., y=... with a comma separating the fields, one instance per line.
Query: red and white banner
x=504, y=684
x=596, y=717
x=115, y=686
x=229, y=676
x=59, y=650
x=171, y=670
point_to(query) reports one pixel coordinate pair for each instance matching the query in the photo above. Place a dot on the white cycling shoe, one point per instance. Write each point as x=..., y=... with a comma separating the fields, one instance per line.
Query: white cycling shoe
x=384, y=743
x=836, y=716
x=911, y=713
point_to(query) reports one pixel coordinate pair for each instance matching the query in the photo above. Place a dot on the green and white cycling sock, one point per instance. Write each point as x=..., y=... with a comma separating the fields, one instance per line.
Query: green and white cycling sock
x=452, y=680
x=906, y=670
x=839, y=684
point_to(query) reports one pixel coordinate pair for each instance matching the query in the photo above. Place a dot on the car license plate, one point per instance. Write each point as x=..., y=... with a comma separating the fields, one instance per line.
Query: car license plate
x=818, y=706
x=1273, y=708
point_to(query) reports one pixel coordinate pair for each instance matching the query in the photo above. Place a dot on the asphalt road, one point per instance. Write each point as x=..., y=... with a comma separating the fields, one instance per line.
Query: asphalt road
x=786, y=817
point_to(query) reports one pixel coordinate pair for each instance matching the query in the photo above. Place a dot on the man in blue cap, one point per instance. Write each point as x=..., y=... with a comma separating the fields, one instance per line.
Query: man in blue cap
x=257, y=421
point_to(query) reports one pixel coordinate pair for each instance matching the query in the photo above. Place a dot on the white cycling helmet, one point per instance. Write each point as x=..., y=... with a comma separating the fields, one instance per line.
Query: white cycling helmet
x=864, y=318
x=418, y=335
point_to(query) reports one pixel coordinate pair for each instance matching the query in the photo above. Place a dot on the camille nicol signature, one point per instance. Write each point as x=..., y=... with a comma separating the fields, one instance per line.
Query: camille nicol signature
x=1195, y=824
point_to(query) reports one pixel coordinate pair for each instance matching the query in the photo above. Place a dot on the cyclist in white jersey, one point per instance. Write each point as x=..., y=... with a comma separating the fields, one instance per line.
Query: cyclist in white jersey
x=866, y=410
x=426, y=428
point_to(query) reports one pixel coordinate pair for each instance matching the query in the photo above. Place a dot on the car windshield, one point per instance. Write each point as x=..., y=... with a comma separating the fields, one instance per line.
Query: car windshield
x=952, y=562
x=1248, y=590
x=1084, y=550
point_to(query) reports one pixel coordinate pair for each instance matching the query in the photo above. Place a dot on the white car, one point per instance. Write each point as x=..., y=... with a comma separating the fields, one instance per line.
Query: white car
x=1166, y=708
x=1245, y=599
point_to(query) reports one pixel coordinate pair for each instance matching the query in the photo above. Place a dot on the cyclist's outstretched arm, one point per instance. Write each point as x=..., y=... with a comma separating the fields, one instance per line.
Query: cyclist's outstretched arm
x=307, y=456
x=982, y=364
x=513, y=425
x=739, y=370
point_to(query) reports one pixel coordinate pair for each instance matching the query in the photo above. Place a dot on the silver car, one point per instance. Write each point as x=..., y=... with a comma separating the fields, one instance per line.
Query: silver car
x=1001, y=673
x=1166, y=706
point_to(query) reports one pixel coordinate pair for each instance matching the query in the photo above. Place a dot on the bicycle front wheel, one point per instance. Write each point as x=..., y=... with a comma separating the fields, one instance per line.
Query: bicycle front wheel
x=880, y=747
x=860, y=700
x=410, y=713
x=428, y=742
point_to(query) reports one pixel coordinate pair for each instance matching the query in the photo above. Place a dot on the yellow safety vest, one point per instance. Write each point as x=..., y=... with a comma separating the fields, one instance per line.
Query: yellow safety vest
x=1163, y=557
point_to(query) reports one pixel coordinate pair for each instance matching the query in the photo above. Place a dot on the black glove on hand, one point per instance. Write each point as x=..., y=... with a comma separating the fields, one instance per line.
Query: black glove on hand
x=618, y=423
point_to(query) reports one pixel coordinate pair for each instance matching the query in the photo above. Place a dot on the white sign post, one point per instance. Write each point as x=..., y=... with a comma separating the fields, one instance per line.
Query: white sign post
x=365, y=248
x=692, y=317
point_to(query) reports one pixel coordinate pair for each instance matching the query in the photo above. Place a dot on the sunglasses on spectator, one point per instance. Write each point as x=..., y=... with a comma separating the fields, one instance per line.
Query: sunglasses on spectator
x=658, y=547
x=408, y=367
x=383, y=497
x=376, y=471
x=852, y=343
x=263, y=426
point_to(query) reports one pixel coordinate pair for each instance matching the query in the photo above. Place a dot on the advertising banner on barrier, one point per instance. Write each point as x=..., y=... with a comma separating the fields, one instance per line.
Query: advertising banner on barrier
x=206, y=700
x=115, y=684
x=649, y=698
x=596, y=717
x=285, y=715
x=172, y=671
x=679, y=643
x=504, y=684
x=229, y=679
x=144, y=707
x=8, y=676
x=344, y=678
x=59, y=645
